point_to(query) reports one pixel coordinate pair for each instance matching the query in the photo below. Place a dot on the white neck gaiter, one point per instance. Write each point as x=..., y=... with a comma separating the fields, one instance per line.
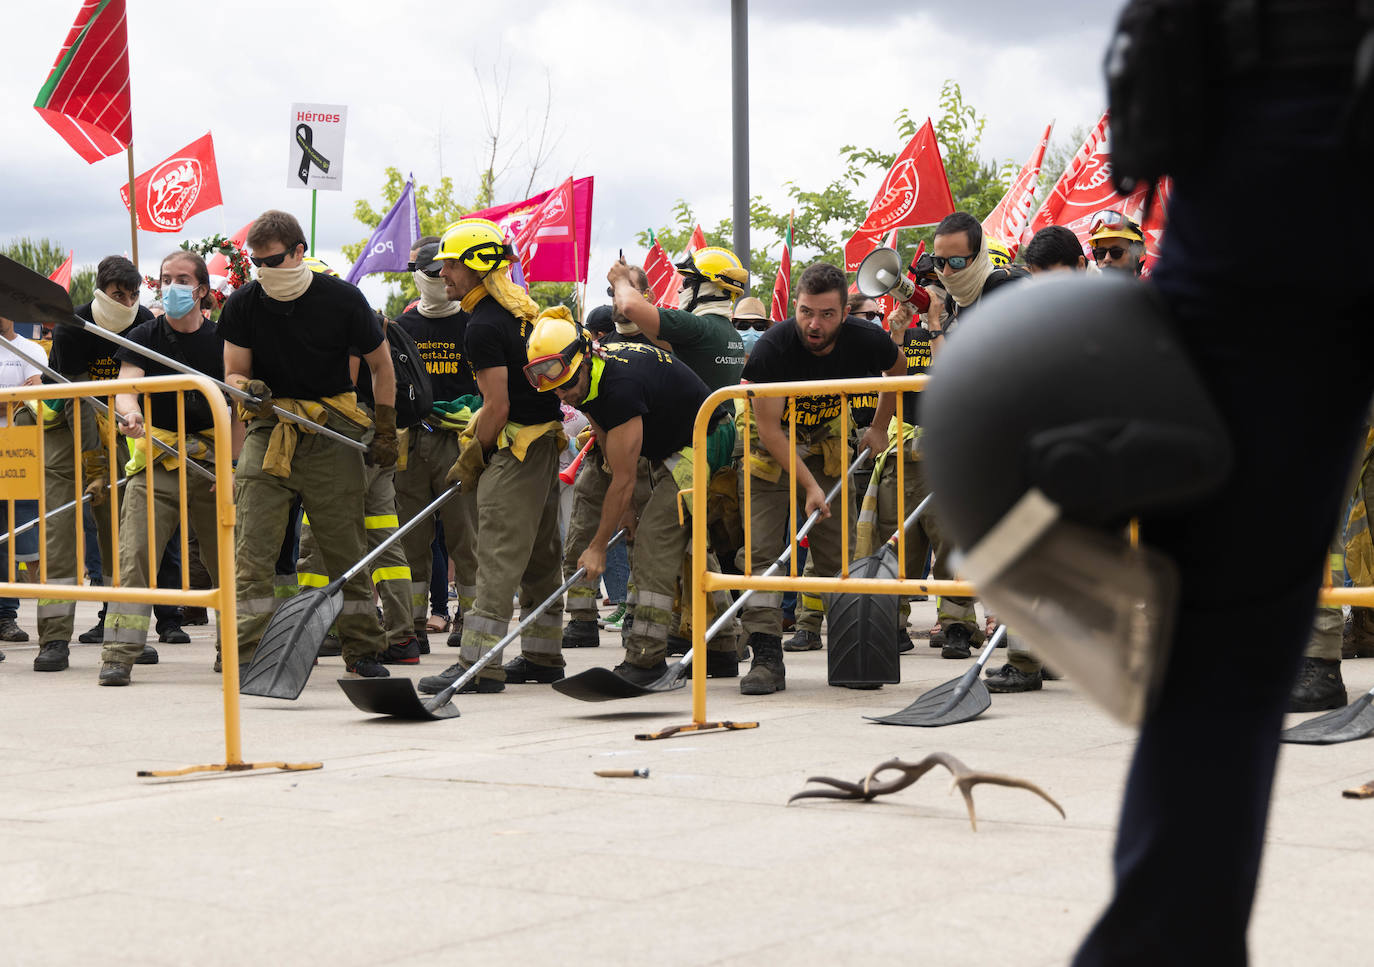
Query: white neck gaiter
x=434, y=300
x=110, y=314
x=285, y=285
x=966, y=285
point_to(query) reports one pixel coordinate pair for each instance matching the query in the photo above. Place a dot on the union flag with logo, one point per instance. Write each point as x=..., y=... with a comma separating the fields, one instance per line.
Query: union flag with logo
x=168, y=194
x=555, y=256
x=663, y=275
x=914, y=193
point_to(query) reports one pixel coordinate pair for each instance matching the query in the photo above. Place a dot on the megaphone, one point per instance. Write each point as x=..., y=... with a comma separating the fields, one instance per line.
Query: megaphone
x=880, y=274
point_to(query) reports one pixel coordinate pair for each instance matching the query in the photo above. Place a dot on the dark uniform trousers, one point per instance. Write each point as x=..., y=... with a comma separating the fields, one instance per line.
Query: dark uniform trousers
x=430, y=457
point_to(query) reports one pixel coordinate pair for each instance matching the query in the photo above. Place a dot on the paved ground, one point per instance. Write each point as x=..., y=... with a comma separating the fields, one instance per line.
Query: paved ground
x=487, y=839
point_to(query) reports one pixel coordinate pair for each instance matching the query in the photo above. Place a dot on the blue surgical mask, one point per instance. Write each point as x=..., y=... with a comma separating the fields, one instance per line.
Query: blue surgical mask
x=179, y=300
x=750, y=336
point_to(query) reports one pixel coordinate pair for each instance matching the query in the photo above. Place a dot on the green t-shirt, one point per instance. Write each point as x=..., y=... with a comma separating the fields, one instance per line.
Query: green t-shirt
x=709, y=344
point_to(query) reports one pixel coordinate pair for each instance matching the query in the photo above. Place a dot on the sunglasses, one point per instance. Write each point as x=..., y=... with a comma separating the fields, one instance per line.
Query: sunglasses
x=744, y=325
x=873, y=315
x=547, y=372
x=415, y=267
x=955, y=262
x=272, y=261
x=1115, y=251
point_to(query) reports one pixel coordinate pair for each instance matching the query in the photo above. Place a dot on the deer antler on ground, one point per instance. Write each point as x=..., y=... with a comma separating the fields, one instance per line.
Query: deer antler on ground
x=870, y=787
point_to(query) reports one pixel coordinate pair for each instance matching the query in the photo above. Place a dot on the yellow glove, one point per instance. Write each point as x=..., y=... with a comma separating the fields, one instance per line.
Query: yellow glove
x=468, y=467
x=583, y=437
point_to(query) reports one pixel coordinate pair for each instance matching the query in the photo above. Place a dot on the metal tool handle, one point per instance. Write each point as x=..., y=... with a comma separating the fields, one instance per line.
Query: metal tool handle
x=23, y=528
x=444, y=697
x=401, y=531
x=991, y=646
x=105, y=410
x=719, y=624
x=911, y=519
x=233, y=391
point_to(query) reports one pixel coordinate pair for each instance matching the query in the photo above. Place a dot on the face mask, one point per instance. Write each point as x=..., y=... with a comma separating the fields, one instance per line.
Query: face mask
x=179, y=300
x=112, y=314
x=750, y=336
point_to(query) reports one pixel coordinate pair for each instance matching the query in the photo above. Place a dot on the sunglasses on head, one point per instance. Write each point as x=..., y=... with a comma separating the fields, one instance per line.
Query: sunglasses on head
x=745, y=324
x=873, y=315
x=272, y=261
x=1115, y=251
x=415, y=267
x=955, y=262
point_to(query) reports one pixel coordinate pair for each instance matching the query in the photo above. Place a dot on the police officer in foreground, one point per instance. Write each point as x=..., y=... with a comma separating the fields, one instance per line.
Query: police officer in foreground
x=1079, y=404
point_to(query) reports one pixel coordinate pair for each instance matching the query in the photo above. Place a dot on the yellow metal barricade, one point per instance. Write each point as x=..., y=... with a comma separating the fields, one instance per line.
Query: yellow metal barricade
x=22, y=477
x=705, y=581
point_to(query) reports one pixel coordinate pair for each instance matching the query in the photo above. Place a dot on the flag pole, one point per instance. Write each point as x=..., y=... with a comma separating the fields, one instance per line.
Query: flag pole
x=313, y=193
x=133, y=204
x=577, y=263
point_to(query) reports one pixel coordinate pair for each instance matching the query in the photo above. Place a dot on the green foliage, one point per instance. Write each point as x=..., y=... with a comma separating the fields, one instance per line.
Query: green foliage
x=45, y=256
x=438, y=208
x=823, y=220
x=1060, y=152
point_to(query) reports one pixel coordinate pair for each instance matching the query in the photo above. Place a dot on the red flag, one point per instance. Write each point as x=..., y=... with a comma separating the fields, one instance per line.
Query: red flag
x=1085, y=168
x=782, y=286
x=887, y=303
x=170, y=193
x=550, y=224
x=86, y=96
x=62, y=275
x=663, y=276
x=218, y=264
x=697, y=241
x=915, y=192
x=553, y=261
x=1008, y=220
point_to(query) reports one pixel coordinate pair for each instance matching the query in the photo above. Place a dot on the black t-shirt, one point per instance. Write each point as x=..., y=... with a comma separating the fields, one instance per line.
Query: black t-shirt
x=860, y=349
x=644, y=381
x=864, y=406
x=494, y=338
x=301, y=348
x=917, y=352
x=202, y=350
x=80, y=355
x=442, y=350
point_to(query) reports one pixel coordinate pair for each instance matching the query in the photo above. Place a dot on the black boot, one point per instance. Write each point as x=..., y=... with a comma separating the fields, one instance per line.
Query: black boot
x=96, y=635
x=722, y=664
x=956, y=642
x=1319, y=686
x=582, y=633
x=766, y=673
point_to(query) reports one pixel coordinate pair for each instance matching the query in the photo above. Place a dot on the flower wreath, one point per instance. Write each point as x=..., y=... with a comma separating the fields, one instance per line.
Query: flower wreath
x=219, y=245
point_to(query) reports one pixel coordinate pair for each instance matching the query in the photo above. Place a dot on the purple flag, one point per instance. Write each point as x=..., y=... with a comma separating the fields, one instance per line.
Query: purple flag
x=388, y=250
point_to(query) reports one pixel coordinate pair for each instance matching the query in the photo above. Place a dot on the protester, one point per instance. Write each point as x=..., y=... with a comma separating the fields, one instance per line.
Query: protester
x=17, y=358
x=1117, y=242
x=751, y=320
x=1053, y=249
x=288, y=336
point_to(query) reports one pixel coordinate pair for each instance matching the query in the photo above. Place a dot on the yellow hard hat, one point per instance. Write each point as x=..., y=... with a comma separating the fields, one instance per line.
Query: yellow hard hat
x=476, y=243
x=1110, y=223
x=998, y=254
x=718, y=265
x=555, y=350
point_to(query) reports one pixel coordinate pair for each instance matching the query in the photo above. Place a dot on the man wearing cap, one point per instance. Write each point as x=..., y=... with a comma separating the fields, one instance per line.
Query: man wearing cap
x=1117, y=242
x=508, y=459
x=750, y=321
x=438, y=325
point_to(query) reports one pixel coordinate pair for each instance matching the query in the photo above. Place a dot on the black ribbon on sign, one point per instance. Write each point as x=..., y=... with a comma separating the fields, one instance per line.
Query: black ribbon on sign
x=310, y=156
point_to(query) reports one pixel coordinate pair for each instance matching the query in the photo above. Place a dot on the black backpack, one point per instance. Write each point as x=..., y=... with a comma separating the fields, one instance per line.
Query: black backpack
x=414, y=396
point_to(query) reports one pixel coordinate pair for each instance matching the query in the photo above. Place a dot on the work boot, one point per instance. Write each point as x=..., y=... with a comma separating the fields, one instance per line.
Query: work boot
x=766, y=672
x=722, y=664
x=582, y=633
x=95, y=636
x=115, y=672
x=803, y=640
x=423, y=642
x=52, y=657
x=1357, y=641
x=936, y=635
x=455, y=635
x=196, y=616
x=1009, y=678
x=641, y=676
x=10, y=630
x=369, y=667
x=956, y=642
x=522, y=671
x=678, y=645
x=401, y=653
x=331, y=647
x=174, y=635
x=904, y=642
x=1319, y=686
x=147, y=657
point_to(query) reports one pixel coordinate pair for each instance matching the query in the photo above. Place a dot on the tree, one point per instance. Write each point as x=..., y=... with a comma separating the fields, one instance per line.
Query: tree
x=44, y=256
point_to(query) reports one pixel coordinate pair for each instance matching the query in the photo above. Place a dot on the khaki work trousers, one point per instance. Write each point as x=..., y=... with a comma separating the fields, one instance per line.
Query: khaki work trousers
x=328, y=477
x=390, y=573
x=431, y=455
x=771, y=530
x=126, y=623
x=517, y=516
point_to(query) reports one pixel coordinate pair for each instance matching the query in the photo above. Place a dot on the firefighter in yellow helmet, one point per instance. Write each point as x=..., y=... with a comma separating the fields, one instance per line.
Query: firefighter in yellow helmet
x=1117, y=242
x=509, y=459
x=641, y=402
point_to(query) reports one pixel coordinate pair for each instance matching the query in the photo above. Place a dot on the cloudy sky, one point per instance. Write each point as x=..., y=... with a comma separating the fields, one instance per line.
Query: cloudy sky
x=640, y=99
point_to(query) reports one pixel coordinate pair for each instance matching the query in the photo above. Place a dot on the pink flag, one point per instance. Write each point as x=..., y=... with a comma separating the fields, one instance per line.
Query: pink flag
x=550, y=224
x=62, y=275
x=554, y=259
x=915, y=192
x=663, y=276
x=1008, y=220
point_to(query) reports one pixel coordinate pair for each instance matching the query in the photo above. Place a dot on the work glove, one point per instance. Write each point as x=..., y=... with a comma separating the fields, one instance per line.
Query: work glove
x=383, y=448
x=256, y=387
x=583, y=437
x=96, y=489
x=468, y=467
